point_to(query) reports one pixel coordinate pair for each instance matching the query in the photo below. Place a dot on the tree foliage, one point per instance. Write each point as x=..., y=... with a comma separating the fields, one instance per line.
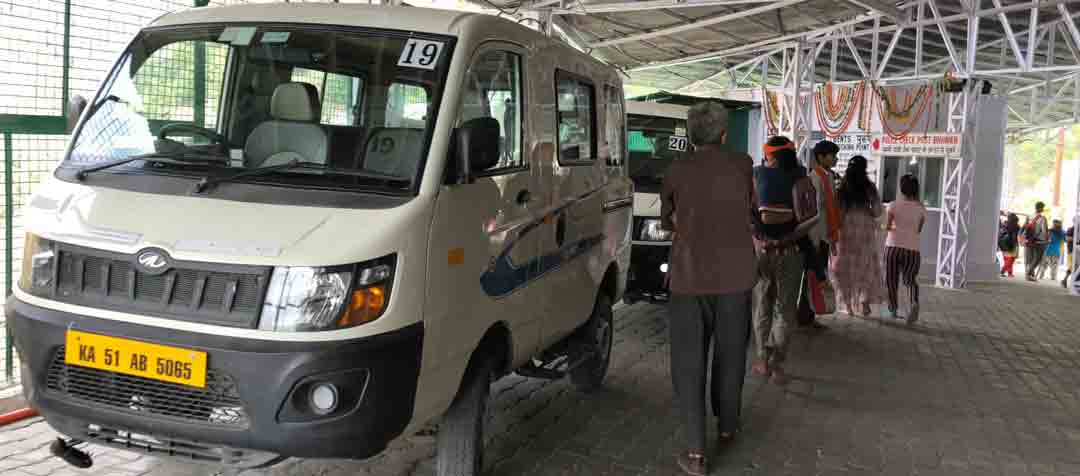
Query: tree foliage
x=1030, y=161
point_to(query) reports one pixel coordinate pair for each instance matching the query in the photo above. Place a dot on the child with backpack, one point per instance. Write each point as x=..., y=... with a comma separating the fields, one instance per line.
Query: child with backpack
x=1009, y=243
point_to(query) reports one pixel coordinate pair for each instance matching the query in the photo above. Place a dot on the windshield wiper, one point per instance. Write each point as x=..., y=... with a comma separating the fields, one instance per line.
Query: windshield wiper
x=179, y=158
x=101, y=102
x=207, y=182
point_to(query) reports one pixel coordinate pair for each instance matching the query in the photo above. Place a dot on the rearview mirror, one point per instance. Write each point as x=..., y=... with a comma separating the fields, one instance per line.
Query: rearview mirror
x=476, y=146
x=76, y=105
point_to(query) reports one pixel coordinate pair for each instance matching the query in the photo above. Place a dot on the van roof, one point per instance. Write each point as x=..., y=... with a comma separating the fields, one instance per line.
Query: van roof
x=427, y=20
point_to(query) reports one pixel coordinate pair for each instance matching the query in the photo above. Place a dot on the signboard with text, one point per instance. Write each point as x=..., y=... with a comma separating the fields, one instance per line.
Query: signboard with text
x=850, y=146
x=919, y=145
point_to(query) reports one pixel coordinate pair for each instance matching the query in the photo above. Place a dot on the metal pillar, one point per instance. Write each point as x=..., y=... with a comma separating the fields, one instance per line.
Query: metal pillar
x=1074, y=282
x=65, y=86
x=799, y=65
x=199, y=86
x=9, y=233
x=958, y=190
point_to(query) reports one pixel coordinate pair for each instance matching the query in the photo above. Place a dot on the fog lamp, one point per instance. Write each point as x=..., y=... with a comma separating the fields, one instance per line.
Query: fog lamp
x=324, y=398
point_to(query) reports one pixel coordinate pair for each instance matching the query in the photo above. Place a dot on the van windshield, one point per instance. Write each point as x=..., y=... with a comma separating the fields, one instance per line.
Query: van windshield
x=653, y=143
x=354, y=108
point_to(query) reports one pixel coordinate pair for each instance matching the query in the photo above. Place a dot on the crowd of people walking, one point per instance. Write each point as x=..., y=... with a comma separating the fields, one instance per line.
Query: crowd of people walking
x=1046, y=245
x=793, y=236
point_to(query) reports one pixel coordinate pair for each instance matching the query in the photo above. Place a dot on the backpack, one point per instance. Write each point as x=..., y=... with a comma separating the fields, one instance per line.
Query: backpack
x=1004, y=243
x=1028, y=231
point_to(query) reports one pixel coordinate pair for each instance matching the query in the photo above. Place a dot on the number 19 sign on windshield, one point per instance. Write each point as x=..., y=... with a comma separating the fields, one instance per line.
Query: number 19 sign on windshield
x=421, y=54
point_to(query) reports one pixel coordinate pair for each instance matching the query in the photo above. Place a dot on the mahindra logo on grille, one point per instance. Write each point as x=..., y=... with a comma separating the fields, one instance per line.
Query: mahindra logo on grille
x=153, y=261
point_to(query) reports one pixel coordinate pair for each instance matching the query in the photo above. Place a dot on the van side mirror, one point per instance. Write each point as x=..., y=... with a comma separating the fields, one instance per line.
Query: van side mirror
x=76, y=105
x=476, y=146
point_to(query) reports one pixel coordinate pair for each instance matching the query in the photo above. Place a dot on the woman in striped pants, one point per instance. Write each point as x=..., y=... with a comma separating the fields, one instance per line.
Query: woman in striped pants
x=906, y=217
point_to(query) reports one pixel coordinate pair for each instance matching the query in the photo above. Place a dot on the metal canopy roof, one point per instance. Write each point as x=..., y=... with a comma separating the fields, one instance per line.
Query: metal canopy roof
x=664, y=97
x=1028, y=49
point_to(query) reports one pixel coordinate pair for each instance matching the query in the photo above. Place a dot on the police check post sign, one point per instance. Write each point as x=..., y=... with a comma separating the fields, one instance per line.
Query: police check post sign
x=921, y=145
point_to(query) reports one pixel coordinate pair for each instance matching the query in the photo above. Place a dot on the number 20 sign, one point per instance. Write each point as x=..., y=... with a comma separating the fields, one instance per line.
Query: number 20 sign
x=421, y=54
x=678, y=143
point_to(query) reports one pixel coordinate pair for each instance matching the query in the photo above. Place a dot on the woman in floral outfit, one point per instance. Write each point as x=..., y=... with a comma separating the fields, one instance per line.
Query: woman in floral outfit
x=856, y=268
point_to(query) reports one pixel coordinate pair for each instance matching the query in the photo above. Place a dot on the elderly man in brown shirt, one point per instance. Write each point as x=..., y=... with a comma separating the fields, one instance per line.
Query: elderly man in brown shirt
x=707, y=201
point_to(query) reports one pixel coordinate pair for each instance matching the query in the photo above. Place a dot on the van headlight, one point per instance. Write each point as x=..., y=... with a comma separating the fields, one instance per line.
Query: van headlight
x=304, y=299
x=39, y=261
x=652, y=230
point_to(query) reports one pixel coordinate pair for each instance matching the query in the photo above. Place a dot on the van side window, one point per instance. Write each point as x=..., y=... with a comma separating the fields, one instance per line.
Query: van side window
x=576, y=118
x=340, y=95
x=614, y=126
x=406, y=106
x=493, y=89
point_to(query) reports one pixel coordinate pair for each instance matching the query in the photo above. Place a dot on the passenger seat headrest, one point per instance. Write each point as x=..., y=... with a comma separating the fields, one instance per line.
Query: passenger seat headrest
x=296, y=102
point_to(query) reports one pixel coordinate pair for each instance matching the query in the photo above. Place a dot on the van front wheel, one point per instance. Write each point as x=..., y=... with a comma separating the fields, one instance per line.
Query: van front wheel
x=597, y=336
x=461, y=434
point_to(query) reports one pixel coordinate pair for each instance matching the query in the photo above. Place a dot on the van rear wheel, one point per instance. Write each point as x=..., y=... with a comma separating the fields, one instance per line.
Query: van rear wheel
x=597, y=336
x=460, y=440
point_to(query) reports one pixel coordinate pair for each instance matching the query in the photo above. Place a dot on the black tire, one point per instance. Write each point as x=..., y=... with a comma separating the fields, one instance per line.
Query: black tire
x=460, y=441
x=598, y=335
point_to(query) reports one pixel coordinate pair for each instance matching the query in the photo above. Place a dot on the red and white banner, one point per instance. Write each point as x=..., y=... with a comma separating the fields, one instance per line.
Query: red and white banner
x=919, y=145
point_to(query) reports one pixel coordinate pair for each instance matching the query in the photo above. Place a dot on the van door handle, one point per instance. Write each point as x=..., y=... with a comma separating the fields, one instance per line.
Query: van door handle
x=524, y=197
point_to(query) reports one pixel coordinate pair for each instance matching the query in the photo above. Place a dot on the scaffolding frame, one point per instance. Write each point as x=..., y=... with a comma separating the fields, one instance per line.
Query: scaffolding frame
x=1034, y=62
x=972, y=39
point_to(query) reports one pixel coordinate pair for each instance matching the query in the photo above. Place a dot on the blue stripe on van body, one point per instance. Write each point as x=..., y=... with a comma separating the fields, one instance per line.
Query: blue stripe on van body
x=503, y=278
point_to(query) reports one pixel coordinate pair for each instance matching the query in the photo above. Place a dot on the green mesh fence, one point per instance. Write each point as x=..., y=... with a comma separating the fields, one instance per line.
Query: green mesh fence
x=167, y=85
x=31, y=45
x=337, y=93
x=55, y=49
x=338, y=98
x=52, y=50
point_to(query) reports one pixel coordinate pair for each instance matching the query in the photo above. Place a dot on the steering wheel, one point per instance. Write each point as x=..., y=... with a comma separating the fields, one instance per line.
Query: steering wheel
x=178, y=127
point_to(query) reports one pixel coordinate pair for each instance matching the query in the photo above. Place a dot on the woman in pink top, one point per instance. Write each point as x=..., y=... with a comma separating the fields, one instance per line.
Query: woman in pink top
x=906, y=219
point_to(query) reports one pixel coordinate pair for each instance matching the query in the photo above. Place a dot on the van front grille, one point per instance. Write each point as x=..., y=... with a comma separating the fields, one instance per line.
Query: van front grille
x=228, y=295
x=217, y=404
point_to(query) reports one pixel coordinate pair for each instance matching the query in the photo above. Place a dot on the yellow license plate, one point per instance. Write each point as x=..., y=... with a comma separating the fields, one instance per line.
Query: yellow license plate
x=141, y=359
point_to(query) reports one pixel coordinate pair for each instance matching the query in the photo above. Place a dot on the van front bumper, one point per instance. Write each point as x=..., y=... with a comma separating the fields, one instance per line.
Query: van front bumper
x=377, y=378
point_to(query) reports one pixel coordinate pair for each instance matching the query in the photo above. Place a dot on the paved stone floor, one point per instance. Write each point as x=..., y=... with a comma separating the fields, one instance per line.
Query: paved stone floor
x=988, y=383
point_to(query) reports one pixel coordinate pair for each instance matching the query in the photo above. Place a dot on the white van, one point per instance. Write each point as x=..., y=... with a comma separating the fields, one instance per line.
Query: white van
x=656, y=137
x=304, y=230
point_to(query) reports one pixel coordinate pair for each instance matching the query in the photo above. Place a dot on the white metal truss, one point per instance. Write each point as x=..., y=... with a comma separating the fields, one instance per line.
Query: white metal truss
x=1028, y=50
x=1074, y=280
x=958, y=194
x=980, y=40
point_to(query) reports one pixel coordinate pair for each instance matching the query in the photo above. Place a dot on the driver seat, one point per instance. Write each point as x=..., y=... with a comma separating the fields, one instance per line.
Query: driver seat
x=293, y=133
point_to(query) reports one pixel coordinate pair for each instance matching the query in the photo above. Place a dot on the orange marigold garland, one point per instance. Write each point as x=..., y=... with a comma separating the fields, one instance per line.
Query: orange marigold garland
x=834, y=116
x=904, y=112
